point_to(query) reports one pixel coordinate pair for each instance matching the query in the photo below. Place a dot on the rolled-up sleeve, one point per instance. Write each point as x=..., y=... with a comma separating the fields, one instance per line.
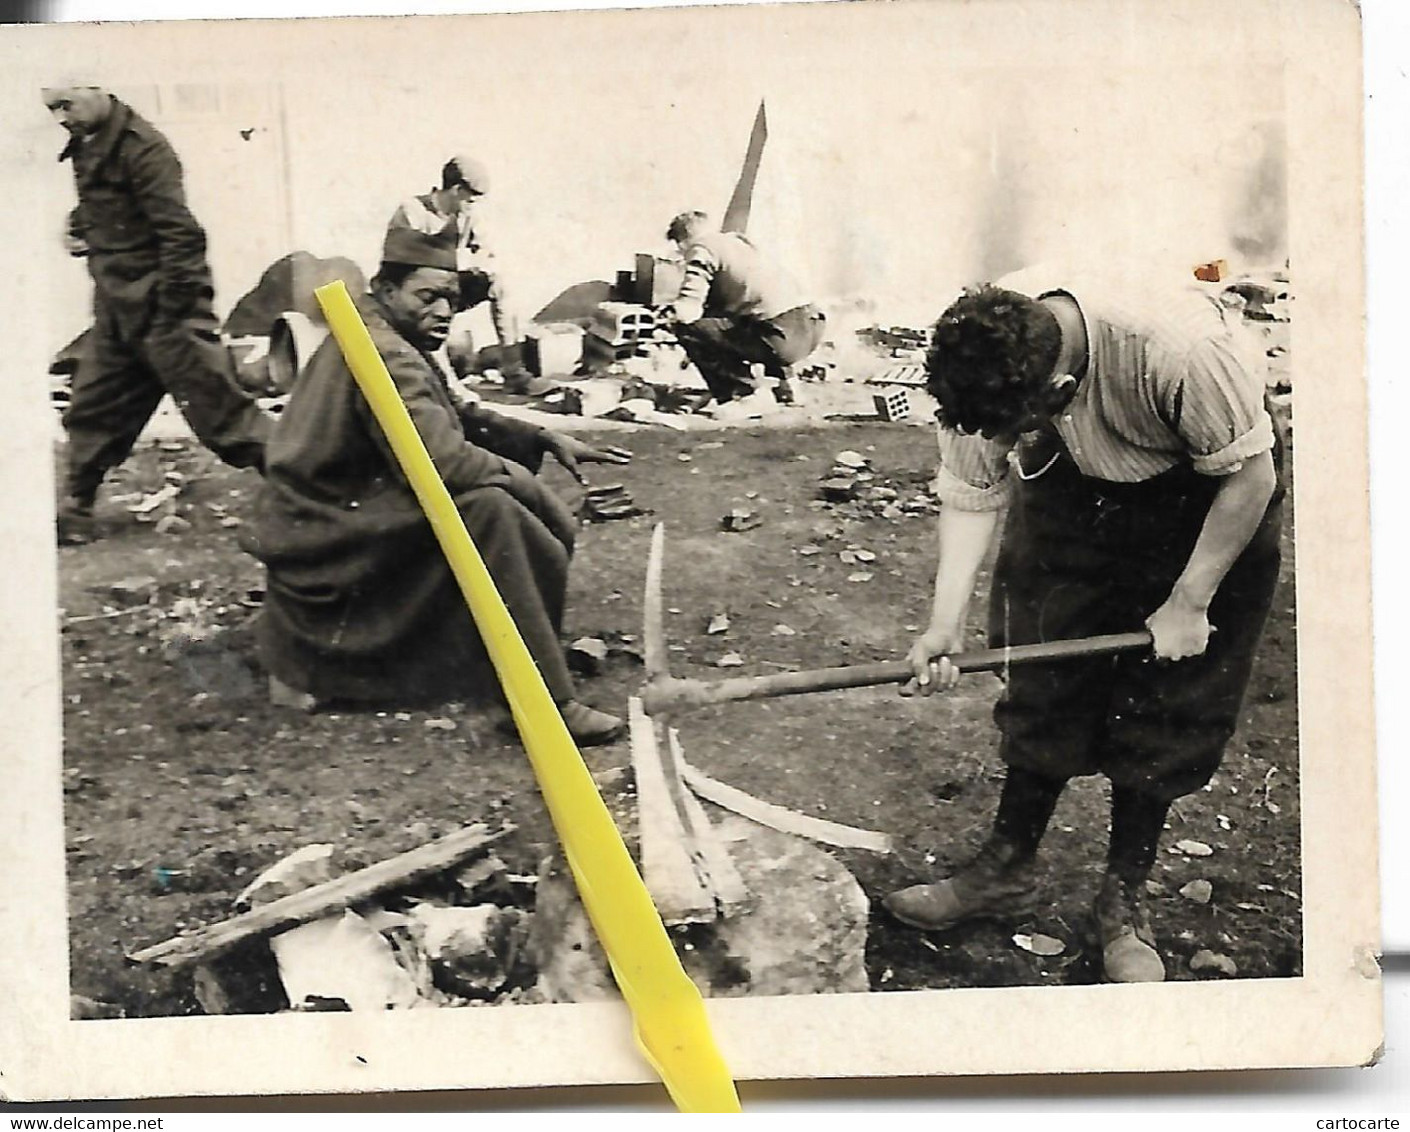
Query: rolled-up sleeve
x=1219, y=407
x=701, y=264
x=973, y=474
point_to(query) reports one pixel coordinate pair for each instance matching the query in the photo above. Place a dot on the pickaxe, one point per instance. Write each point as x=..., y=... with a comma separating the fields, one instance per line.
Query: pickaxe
x=664, y=692
x=688, y=871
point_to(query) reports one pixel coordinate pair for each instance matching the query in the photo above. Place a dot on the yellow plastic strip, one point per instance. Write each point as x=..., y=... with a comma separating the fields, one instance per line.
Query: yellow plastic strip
x=668, y=1014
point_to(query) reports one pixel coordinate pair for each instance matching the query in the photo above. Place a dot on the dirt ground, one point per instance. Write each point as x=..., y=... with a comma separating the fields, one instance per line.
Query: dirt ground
x=176, y=795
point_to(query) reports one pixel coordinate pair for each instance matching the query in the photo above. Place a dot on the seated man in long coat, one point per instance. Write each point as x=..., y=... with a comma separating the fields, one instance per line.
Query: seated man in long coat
x=361, y=603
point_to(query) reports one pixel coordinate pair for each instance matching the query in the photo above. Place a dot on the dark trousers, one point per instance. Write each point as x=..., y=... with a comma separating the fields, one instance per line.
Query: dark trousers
x=527, y=546
x=123, y=377
x=1081, y=557
x=723, y=349
x=381, y=620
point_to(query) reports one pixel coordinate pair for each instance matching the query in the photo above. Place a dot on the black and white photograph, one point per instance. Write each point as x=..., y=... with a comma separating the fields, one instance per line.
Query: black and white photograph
x=881, y=424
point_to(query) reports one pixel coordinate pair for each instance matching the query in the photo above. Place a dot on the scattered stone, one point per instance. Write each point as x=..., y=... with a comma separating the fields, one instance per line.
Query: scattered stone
x=1192, y=849
x=475, y=952
x=718, y=624
x=741, y=519
x=838, y=489
x=587, y=655
x=622, y=644
x=172, y=525
x=1155, y=888
x=860, y=576
x=782, y=630
x=730, y=660
x=849, y=459
x=487, y=872
x=1213, y=962
x=607, y=502
x=1040, y=944
x=128, y=592
x=441, y=724
x=150, y=503
x=1200, y=891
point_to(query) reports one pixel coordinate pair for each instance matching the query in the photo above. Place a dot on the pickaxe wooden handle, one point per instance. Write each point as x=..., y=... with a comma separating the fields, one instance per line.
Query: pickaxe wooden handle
x=666, y=692
x=663, y=691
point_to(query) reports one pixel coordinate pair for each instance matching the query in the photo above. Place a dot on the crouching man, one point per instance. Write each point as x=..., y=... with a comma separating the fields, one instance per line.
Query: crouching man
x=735, y=309
x=361, y=604
x=1127, y=435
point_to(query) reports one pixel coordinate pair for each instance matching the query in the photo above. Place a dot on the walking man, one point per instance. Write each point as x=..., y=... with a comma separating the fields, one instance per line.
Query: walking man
x=154, y=329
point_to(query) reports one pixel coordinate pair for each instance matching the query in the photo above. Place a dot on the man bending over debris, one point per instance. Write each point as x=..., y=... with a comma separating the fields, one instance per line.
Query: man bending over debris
x=735, y=308
x=453, y=208
x=154, y=331
x=361, y=603
x=1127, y=433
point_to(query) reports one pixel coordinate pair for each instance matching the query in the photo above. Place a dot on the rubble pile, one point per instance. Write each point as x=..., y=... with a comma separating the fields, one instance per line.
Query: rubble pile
x=457, y=938
x=852, y=489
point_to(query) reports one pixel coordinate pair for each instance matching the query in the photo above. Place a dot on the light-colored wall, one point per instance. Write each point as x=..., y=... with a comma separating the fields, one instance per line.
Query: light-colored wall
x=902, y=162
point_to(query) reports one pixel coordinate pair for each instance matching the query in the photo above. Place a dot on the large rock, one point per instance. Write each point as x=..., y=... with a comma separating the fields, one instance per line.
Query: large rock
x=804, y=933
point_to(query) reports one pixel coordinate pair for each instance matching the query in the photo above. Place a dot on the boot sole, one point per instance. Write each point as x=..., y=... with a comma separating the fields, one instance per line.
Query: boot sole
x=1021, y=906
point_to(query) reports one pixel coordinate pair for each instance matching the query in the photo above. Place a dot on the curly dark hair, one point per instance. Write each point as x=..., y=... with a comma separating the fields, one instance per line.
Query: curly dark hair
x=990, y=358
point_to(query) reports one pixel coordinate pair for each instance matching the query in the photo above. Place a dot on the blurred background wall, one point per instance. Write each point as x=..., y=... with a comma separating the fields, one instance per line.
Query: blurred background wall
x=911, y=149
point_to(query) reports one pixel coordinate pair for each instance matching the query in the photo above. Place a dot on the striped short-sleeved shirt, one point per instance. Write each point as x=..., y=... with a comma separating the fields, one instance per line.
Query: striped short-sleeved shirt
x=1171, y=376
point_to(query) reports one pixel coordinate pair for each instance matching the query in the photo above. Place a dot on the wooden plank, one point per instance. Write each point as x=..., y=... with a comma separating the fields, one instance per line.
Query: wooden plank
x=653, y=631
x=784, y=820
x=322, y=899
x=679, y=891
x=731, y=894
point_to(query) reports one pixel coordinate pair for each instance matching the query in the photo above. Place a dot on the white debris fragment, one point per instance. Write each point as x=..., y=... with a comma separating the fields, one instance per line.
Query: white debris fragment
x=1040, y=944
x=342, y=957
x=1192, y=848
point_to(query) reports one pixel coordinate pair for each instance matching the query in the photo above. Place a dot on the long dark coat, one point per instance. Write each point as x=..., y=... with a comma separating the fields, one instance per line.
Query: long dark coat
x=361, y=604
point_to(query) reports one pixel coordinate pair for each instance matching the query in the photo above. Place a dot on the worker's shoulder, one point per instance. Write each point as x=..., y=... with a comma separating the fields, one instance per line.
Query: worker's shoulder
x=720, y=246
x=131, y=124
x=1173, y=314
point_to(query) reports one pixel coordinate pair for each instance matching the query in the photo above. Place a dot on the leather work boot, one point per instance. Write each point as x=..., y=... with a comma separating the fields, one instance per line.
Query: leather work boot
x=1124, y=928
x=76, y=525
x=588, y=726
x=996, y=884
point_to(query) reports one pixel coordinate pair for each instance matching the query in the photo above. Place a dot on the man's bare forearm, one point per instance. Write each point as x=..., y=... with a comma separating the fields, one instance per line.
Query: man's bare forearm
x=964, y=540
x=1233, y=517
